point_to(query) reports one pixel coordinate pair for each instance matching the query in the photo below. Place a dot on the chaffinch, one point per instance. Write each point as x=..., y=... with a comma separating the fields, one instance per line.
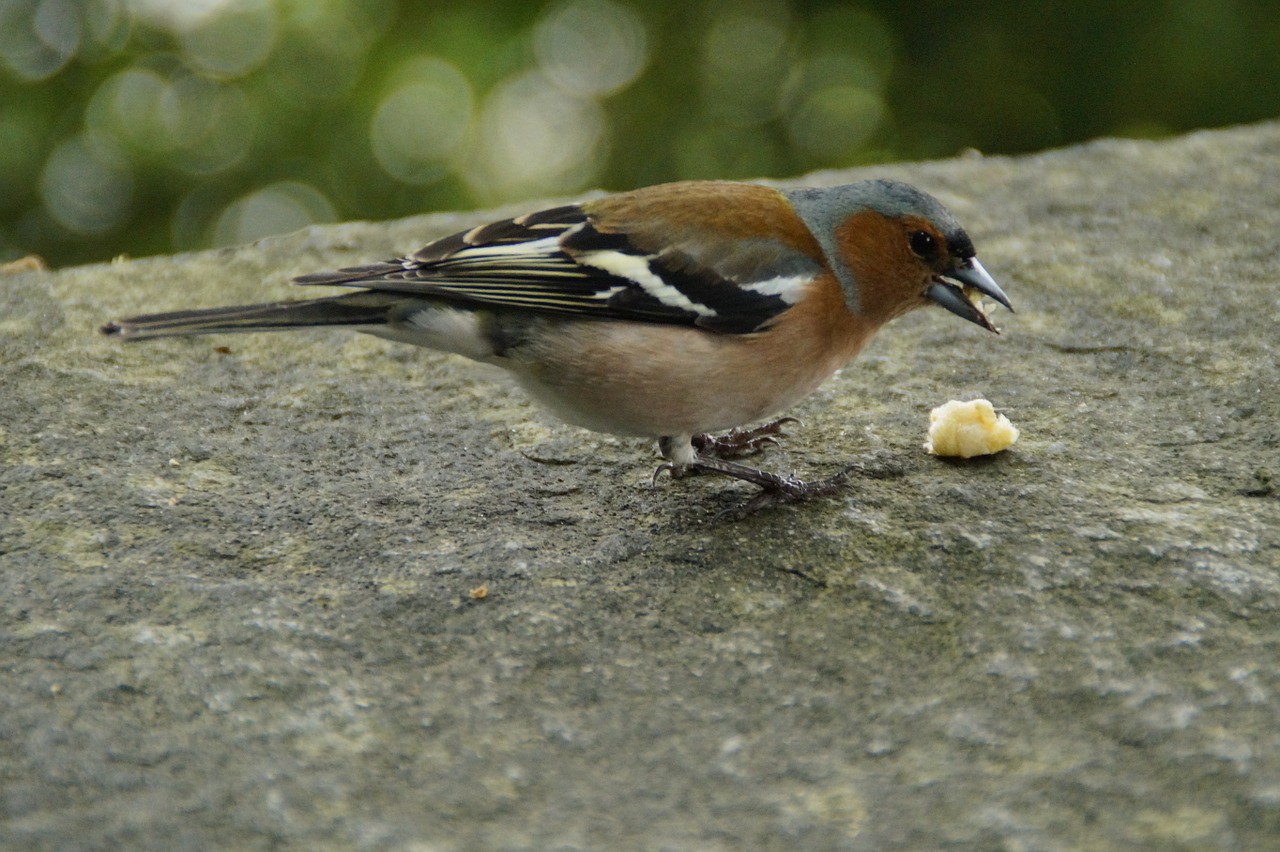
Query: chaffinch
x=667, y=312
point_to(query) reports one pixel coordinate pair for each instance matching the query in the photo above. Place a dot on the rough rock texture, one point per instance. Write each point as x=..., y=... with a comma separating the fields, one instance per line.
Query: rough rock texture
x=241, y=575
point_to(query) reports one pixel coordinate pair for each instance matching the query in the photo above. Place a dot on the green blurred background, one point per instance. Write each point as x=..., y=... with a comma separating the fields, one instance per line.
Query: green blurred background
x=150, y=126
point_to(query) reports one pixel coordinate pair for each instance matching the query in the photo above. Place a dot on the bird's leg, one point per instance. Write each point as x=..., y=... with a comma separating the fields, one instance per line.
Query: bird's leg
x=679, y=454
x=741, y=442
x=683, y=459
x=773, y=487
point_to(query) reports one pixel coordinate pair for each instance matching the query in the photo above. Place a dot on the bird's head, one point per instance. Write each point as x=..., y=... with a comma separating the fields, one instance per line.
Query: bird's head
x=895, y=248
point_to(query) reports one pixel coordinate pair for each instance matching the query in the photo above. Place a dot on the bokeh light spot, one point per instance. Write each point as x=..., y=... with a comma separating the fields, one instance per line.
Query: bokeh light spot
x=826, y=69
x=176, y=14
x=747, y=55
x=591, y=47
x=107, y=24
x=212, y=125
x=421, y=123
x=846, y=30
x=535, y=138
x=200, y=125
x=278, y=208
x=86, y=185
x=39, y=37
x=231, y=40
x=126, y=107
x=321, y=51
x=832, y=123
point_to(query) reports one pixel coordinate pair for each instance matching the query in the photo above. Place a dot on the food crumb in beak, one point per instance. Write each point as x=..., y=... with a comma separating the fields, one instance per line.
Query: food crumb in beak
x=974, y=295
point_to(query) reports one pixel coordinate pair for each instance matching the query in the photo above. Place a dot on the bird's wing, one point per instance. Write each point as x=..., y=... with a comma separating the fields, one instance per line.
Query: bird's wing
x=580, y=260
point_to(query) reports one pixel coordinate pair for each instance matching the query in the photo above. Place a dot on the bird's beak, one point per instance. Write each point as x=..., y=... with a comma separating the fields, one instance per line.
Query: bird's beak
x=960, y=290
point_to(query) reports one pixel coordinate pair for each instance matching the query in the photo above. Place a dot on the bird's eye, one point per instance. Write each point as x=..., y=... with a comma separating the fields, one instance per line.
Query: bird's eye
x=923, y=244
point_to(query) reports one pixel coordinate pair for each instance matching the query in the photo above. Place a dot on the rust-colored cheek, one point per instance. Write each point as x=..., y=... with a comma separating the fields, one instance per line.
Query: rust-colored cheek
x=890, y=279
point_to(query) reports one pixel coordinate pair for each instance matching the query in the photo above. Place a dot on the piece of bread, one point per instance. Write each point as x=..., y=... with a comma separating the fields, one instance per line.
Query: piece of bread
x=968, y=429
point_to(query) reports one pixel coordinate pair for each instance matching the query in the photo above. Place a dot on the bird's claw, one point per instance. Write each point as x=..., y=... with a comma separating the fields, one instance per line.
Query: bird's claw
x=741, y=442
x=709, y=456
x=666, y=467
x=790, y=490
x=774, y=488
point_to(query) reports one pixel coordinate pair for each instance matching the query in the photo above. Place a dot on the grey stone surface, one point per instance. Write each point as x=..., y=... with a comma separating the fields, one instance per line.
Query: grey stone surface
x=237, y=572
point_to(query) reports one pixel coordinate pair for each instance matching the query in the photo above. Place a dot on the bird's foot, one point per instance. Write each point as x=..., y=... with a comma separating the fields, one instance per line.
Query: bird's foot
x=741, y=442
x=774, y=488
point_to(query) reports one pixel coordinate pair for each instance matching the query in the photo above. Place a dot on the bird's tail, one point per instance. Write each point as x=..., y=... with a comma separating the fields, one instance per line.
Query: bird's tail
x=353, y=309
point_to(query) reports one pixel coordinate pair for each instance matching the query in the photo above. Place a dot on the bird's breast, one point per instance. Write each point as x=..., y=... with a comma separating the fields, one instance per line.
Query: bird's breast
x=650, y=379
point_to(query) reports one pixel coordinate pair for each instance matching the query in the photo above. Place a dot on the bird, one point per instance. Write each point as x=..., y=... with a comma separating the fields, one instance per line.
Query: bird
x=673, y=311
